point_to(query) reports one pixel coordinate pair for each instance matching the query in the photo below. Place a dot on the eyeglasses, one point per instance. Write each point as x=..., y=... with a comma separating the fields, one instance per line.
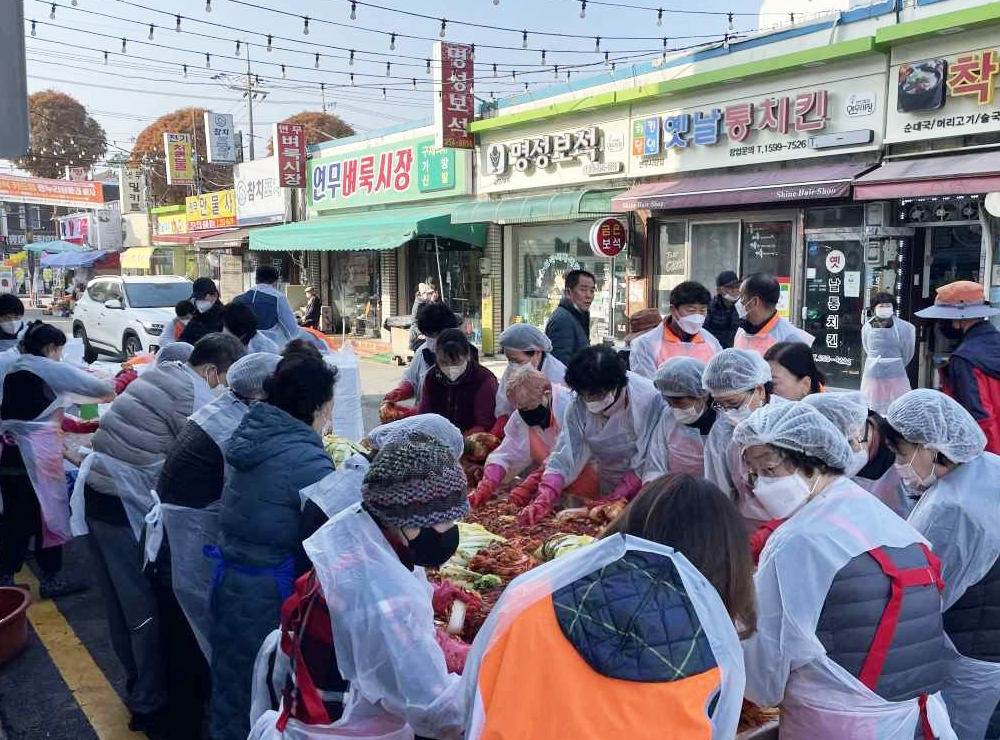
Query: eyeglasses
x=724, y=406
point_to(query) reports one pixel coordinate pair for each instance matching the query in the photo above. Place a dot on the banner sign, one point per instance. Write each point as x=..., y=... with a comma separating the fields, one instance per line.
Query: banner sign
x=608, y=237
x=211, y=210
x=132, y=186
x=177, y=149
x=77, y=173
x=219, y=135
x=453, y=76
x=290, y=147
x=42, y=191
x=260, y=199
x=174, y=223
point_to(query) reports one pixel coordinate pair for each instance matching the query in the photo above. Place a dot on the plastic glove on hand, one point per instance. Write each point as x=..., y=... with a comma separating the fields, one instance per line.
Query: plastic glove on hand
x=542, y=506
x=523, y=494
x=492, y=476
x=446, y=593
x=455, y=651
x=400, y=393
x=626, y=490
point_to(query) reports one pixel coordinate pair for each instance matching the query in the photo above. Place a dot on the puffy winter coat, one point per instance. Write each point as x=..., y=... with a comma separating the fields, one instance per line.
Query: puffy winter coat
x=273, y=456
x=202, y=324
x=972, y=377
x=568, y=328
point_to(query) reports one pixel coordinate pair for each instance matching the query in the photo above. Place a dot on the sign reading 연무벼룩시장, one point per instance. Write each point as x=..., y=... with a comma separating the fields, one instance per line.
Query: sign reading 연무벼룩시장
x=211, y=210
x=392, y=173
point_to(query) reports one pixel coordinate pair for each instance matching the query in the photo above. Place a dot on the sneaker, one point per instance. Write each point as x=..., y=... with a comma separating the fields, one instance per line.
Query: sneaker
x=56, y=585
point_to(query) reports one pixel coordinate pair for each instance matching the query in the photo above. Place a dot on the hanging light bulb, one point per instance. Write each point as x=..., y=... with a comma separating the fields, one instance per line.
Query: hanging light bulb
x=524, y=39
x=383, y=93
x=725, y=42
x=513, y=75
x=659, y=16
x=316, y=63
x=665, y=40
x=52, y=13
x=350, y=59
x=427, y=68
x=238, y=48
x=556, y=72
x=305, y=26
x=543, y=56
x=597, y=44
x=568, y=73
x=178, y=26
x=791, y=17
x=124, y=48
x=444, y=25
x=614, y=66
x=269, y=42
x=496, y=2
x=583, y=8
x=282, y=71
x=606, y=60
x=105, y=59
x=494, y=69
x=352, y=79
x=33, y=31
x=414, y=83
x=392, y=42
x=354, y=11
x=73, y=3
x=388, y=68
x=208, y=6
x=72, y=142
x=208, y=61
x=185, y=70
x=150, y=36
x=526, y=87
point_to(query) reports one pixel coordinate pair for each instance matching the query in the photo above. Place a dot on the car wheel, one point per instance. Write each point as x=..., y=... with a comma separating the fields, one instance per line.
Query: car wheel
x=131, y=346
x=89, y=353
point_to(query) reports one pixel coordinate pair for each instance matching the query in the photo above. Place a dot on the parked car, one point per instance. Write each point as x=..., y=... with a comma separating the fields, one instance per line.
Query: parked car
x=125, y=315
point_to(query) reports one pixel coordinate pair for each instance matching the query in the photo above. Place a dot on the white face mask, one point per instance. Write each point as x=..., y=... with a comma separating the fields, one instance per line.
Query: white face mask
x=691, y=324
x=883, y=312
x=781, y=496
x=858, y=460
x=911, y=477
x=728, y=298
x=454, y=372
x=735, y=416
x=11, y=327
x=203, y=306
x=741, y=310
x=689, y=415
x=601, y=405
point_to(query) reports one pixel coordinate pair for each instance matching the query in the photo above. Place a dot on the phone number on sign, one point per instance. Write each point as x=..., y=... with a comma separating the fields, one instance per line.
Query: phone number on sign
x=745, y=151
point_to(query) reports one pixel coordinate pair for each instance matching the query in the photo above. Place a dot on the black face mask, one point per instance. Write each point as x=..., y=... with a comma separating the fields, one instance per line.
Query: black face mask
x=536, y=417
x=429, y=357
x=431, y=548
x=950, y=331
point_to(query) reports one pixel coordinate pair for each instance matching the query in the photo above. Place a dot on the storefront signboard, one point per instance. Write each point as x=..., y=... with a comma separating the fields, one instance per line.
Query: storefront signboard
x=170, y=224
x=828, y=117
x=260, y=199
x=608, y=237
x=454, y=75
x=290, y=145
x=230, y=276
x=39, y=190
x=132, y=185
x=211, y=210
x=177, y=149
x=220, y=137
x=393, y=173
x=948, y=90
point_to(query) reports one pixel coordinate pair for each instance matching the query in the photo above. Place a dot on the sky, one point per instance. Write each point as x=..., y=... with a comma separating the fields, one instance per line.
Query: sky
x=67, y=53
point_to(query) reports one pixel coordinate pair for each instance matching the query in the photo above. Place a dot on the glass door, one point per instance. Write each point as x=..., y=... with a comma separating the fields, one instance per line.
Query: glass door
x=714, y=247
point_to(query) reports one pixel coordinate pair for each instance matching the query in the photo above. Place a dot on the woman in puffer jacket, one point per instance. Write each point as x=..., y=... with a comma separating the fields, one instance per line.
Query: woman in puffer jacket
x=274, y=453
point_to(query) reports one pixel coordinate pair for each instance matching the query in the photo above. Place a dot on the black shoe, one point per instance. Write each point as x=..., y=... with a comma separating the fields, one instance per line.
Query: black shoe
x=55, y=586
x=154, y=724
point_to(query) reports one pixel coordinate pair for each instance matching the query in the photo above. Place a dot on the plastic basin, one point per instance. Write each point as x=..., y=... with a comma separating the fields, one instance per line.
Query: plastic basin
x=13, y=622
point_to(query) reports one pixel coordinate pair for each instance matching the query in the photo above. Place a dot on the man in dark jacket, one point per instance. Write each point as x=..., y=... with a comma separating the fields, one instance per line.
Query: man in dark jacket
x=207, y=317
x=972, y=375
x=271, y=306
x=568, y=327
x=723, y=320
x=313, y=310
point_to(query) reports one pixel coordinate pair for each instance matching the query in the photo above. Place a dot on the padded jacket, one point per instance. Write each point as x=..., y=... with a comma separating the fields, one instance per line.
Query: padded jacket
x=568, y=329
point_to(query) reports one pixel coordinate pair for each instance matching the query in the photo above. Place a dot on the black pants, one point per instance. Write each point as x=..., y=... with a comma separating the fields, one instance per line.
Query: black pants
x=22, y=520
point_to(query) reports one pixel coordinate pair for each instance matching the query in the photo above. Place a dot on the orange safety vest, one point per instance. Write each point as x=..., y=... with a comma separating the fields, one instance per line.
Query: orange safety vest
x=587, y=485
x=673, y=346
x=760, y=342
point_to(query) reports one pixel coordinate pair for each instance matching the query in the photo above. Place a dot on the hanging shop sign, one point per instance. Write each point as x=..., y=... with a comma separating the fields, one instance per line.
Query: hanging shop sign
x=453, y=76
x=177, y=149
x=608, y=237
x=951, y=92
x=290, y=145
x=260, y=199
x=132, y=186
x=829, y=117
x=393, y=173
x=74, y=229
x=211, y=210
x=220, y=137
x=78, y=173
x=171, y=224
x=38, y=190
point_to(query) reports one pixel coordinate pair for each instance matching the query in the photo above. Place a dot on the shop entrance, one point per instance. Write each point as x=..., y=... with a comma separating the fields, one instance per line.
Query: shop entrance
x=454, y=266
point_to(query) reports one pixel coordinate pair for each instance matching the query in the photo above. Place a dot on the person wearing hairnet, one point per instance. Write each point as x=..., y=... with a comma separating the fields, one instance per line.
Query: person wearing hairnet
x=847, y=594
x=678, y=441
x=739, y=381
x=889, y=343
x=681, y=334
x=369, y=561
x=524, y=345
x=608, y=423
x=940, y=454
x=530, y=433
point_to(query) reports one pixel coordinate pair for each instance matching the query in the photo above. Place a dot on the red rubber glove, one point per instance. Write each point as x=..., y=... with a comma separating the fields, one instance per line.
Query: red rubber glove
x=123, y=379
x=497, y=430
x=523, y=494
x=493, y=475
x=549, y=489
x=626, y=490
x=455, y=651
x=760, y=537
x=400, y=393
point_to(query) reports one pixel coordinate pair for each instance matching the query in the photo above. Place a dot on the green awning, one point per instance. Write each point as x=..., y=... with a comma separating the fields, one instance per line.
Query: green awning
x=385, y=229
x=534, y=208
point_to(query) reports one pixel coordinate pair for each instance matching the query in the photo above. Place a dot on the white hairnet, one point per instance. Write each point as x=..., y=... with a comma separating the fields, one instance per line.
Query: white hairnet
x=735, y=371
x=246, y=376
x=680, y=377
x=431, y=425
x=175, y=352
x=936, y=421
x=794, y=426
x=847, y=411
x=524, y=337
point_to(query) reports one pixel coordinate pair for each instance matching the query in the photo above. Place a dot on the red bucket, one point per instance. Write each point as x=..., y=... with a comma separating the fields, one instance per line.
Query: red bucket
x=13, y=622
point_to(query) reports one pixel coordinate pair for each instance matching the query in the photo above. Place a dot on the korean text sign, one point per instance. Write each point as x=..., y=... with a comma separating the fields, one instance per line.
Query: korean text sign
x=608, y=237
x=51, y=192
x=394, y=173
x=132, y=185
x=220, y=137
x=211, y=210
x=290, y=150
x=456, y=107
x=180, y=167
x=259, y=197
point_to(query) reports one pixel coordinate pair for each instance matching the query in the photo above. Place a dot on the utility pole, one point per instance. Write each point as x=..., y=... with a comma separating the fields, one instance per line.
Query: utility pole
x=250, y=97
x=249, y=88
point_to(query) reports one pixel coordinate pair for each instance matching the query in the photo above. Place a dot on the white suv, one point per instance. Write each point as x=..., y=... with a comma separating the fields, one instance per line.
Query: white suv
x=124, y=315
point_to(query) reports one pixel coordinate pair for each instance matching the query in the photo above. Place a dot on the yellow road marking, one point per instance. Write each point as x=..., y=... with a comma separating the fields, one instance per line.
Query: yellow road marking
x=98, y=700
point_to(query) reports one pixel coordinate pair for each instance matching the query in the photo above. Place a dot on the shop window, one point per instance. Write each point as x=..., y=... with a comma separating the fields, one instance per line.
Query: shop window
x=835, y=217
x=671, y=260
x=714, y=247
x=355, y=293
x=454, y=266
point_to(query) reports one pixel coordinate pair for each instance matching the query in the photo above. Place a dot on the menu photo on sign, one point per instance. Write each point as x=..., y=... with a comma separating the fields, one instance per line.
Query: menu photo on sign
x=454, y=74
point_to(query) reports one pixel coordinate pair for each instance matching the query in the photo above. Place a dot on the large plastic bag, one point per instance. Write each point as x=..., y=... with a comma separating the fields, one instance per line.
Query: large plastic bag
x=40, y=445
x=268, y=681
x=347, y=417
x=381, y=727
x=339, y=489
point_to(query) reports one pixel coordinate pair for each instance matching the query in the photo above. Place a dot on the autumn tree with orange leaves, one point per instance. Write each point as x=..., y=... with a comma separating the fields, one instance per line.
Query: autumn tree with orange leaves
x=320, y=127
x=62, y=133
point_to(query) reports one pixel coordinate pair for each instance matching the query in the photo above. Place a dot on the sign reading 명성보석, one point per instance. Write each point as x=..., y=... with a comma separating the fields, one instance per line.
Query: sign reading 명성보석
x=177, y=149
x=393, y=173
x=220, y=137
x=454, y=74
x=211, y=210
x=260, y=199
x=608, y=237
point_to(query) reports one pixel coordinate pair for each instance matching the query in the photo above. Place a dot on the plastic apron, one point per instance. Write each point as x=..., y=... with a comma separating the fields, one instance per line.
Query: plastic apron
x=219, y=420
x=785, y=661
x=339, y=489
x=890, y=491
x=383, y=631
x=674, y=448
x=191, y=573
x=418, y=368
x=551, y=368
x=382, y=727
x=776, y=330
x=724, y=466
x=541, y=582
x=964, y=531
x=650, y=350
x=884, y=378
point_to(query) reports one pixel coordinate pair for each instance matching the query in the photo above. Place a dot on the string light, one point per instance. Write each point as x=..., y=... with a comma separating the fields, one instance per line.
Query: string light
x=556, y=72
x=178, y=26
x=543, y=57
x=526, y=87
x=354, y=11
x=383, y=93
x=350, y=59
x=52, y=13
x=283, y=75
x=730, y=15
x=388, y=68
x=583, y=8
x=34, y=32
x=208, y=60
x=659, y=16
x=105, y=59
x=444, y=25
x=665, y=40
x=414, y=83
x=568, y=73
x=316, y=63
x=597, y=44
x=392, y=42
x=613, y=67
x=791, y=17
x=269, y=39
x=150, y=37
x=524, y=39
x=607, y=61
x=73, y=3
x=494, y=69
x=208, y=6
x=124, y=47
x=352, y=79
x=427, y=69
x=185, y=70
x=305, y=26
x=237, y=47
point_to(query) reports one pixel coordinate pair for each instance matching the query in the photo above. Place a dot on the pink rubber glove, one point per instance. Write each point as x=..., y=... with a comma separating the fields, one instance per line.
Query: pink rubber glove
x=493, y=474
x=446, y=593
x=455, y=651
x=626, y=490
x=521, y=495
x=548, y=494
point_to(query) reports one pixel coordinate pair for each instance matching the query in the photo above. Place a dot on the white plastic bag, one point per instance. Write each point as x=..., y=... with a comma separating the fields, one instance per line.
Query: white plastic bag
x=380, y=727
x=338, y=489
x=348, y=421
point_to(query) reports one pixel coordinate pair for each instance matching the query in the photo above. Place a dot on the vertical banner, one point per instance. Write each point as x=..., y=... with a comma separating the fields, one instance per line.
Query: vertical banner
x=453, y=76
x=290, y=148
x=177, y=149
x=220, y=137
x=132, y=188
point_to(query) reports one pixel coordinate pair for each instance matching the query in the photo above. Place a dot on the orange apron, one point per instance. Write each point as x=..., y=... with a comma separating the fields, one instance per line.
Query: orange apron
x=673, y=346
x=760, y=342
x=587, y=485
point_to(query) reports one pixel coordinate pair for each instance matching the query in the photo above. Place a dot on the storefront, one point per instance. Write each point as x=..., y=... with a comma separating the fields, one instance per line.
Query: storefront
x=261, y=203
x=379, y=224
x=172, y=251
